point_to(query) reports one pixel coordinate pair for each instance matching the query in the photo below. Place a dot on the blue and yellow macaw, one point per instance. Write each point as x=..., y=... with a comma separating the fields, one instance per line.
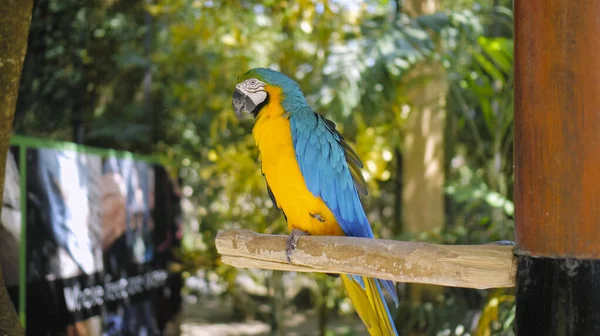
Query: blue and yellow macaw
x=313, y=176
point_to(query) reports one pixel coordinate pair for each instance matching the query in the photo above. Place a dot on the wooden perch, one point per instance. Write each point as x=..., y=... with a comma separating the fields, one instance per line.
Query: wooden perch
x=469, y=266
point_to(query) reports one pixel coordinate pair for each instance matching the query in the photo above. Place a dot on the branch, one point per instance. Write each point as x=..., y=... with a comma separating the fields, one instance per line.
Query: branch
x=469, y=266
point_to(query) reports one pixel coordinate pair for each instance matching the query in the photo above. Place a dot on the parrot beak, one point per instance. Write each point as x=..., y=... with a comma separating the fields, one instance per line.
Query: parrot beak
x=242, y=103
x=247, y=102
x=239, y=102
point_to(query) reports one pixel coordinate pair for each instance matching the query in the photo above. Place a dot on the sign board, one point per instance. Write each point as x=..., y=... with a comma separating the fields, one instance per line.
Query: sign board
x=86, y=239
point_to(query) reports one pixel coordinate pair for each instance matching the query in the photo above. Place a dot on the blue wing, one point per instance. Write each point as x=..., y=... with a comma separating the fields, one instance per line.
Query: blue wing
x=324, y=164
x=331, y=170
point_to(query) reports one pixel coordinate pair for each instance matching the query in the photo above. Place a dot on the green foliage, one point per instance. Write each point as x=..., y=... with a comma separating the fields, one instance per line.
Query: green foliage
x=159, y=77
x=74, y=68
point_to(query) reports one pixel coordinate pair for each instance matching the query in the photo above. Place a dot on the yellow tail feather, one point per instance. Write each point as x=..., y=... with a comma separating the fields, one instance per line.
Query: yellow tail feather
x=369, y=305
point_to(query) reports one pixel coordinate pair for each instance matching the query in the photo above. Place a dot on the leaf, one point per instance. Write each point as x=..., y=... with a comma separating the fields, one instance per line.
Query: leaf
x=488, y=67
x=488, y=115
x=499, y=51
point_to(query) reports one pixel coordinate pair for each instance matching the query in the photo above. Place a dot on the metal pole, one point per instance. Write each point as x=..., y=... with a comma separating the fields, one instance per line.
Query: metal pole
x=557, y=166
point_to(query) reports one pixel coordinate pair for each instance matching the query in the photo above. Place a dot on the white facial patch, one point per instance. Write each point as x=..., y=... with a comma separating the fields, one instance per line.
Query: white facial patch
x=257, y=97
x=253, y=85
x=254, y=89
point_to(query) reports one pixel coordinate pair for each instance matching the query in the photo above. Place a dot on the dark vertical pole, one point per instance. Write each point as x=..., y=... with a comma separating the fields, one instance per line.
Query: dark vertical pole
x=557, y=166
x=80, y=93
x=147, y=84
x=77, y=126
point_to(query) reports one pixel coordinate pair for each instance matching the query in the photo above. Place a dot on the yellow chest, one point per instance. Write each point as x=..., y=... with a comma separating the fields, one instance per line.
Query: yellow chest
x=303, y=210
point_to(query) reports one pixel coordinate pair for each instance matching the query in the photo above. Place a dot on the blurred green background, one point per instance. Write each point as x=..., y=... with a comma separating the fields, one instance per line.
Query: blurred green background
x=431, y=77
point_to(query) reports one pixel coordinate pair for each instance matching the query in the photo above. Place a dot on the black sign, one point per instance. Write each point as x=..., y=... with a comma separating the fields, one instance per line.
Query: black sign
x=87, y=249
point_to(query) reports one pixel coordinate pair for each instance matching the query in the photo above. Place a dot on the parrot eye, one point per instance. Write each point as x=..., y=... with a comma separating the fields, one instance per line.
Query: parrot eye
x=253, y=84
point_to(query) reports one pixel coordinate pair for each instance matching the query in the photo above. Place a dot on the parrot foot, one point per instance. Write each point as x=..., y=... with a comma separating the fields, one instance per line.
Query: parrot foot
x=291, y=242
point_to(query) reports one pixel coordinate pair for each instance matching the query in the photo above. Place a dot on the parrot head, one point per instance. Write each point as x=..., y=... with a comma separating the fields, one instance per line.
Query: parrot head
x=257, y=86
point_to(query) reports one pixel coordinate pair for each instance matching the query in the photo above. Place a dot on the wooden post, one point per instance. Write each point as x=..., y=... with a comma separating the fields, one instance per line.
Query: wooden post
x=557, y=166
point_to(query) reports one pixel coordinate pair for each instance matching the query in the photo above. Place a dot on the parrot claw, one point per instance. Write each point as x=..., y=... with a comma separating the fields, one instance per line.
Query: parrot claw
x=291, y=242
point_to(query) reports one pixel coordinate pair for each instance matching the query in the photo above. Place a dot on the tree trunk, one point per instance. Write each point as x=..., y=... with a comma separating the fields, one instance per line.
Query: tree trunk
x=423, y=168
x=423, y=146
x=423, y=153
x=423, y=156
x=15, y=17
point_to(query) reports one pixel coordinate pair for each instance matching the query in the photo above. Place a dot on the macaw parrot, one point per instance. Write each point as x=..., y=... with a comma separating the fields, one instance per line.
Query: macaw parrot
x=313, y=176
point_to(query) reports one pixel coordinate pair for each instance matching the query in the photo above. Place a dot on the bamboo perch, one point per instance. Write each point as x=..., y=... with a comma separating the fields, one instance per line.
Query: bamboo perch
x=468, y=266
